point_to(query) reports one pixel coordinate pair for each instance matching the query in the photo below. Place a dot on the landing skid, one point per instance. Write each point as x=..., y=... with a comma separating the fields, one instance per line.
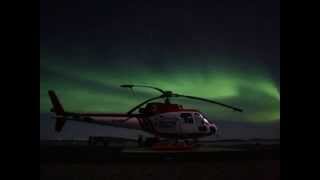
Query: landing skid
x=167, y=146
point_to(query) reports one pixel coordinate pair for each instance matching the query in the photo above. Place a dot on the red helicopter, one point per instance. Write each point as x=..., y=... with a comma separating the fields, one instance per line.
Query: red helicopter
x=163, y=120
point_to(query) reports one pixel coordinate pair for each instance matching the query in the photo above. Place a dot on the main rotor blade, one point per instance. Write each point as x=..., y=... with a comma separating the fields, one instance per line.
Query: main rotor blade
x=210, y=101
x=141, y=104
x=131, y=86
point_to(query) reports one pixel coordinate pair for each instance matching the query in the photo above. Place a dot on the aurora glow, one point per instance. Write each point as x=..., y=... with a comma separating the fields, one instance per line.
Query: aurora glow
x=85, y=88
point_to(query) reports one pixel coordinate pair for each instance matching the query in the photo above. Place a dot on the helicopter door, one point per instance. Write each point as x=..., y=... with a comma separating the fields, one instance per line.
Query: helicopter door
x=187, y=123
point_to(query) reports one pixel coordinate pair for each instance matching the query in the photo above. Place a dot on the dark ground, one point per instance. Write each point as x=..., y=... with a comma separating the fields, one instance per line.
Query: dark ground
x=215, y=170
x=93, y=162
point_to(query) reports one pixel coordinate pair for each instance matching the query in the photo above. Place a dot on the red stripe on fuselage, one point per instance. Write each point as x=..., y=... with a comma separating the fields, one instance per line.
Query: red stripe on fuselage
x=101, y=114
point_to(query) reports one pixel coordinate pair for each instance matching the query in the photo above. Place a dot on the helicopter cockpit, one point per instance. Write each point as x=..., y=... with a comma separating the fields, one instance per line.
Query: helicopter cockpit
x=202, y=118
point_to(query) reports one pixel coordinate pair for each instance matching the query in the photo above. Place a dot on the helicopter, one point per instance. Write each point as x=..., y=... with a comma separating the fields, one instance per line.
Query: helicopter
x=161, y=119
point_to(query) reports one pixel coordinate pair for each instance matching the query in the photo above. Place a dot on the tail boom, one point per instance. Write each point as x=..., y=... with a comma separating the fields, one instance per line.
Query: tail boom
x=110, y=119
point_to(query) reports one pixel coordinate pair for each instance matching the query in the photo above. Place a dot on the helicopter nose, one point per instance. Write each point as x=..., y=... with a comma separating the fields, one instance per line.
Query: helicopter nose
x=213, y=130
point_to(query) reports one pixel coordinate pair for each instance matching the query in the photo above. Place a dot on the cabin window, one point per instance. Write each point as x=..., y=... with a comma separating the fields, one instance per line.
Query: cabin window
x=187, y=117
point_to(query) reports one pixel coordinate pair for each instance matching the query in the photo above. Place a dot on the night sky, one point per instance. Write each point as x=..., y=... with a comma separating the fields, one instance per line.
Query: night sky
x=227, y=51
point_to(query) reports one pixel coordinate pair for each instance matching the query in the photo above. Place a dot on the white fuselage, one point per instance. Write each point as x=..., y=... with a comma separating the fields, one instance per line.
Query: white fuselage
x=169, y=124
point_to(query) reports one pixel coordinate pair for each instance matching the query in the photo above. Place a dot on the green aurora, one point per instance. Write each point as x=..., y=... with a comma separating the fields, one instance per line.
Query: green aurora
x=85, y=86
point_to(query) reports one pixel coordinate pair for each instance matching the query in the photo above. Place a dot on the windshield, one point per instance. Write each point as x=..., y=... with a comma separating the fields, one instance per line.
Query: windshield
x=202, y=117
x=205, y=119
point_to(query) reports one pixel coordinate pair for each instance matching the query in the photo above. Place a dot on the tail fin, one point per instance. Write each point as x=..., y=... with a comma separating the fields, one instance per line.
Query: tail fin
x=58, y=110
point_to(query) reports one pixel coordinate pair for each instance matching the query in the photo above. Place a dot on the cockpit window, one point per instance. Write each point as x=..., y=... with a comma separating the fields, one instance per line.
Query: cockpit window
x=187, y=118
x=202, y=118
